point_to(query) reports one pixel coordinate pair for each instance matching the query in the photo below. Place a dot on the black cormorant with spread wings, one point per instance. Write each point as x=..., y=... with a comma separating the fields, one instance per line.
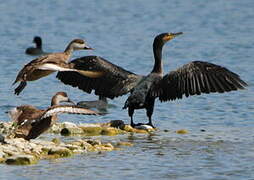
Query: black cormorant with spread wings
x=194, y=78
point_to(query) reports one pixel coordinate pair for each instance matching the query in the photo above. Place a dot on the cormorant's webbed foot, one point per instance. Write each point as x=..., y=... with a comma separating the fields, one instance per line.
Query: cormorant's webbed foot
x=20, y=88
x=141, y=124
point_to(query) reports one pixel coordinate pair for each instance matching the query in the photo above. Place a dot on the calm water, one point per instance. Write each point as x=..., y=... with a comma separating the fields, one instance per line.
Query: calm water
x=216, y=31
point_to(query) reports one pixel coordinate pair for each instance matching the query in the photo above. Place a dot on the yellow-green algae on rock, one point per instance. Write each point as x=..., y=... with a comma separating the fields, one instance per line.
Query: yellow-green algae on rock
x=21, y=159
x=22, y=152
x=112, y=128
x=17, y=151
x=182, y=131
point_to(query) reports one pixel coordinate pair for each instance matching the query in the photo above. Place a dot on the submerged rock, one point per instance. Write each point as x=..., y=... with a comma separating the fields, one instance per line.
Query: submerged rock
x=59, y=152
x=21, y=159
x=182, y=131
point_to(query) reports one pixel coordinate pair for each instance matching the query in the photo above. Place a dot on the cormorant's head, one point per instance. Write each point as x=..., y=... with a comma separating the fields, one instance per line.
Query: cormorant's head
x=165, y=37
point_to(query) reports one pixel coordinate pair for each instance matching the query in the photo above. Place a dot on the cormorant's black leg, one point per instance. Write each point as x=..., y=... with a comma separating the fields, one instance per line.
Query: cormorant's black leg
x=21, y=86
x=131, y=111
x=149, y=111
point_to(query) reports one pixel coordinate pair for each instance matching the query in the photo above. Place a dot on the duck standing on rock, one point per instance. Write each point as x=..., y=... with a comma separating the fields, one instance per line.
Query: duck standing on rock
x=37, y=50
x=194, y=78
x=32, y=122
x=47, y=64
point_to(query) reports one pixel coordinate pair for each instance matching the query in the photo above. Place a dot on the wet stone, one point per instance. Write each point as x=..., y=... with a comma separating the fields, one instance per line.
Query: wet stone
x=60, y=152
x=21, y=160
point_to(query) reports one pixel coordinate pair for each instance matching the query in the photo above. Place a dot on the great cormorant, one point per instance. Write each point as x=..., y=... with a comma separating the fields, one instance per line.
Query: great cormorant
x=193, y=78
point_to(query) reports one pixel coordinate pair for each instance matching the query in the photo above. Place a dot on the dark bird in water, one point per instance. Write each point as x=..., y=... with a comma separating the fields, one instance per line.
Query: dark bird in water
x=32, y=122
x=194, y=78
x=47, y=64
x=100, y=104
x=37, y=50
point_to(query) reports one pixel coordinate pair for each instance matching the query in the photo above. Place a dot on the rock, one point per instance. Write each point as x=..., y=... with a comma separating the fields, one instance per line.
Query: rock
x=91, y=130
x=72, y=147
x=2, y=154
x=124, y=144
x=60, y=152
x=56, y=141
x=69, y=125
x=109, y=131
x=104, y=147
x=2, y=139
x=21, y=160
x=94, y=142
x=128, y=128
x=67, y=131
x=117, y=124
x=182, y=131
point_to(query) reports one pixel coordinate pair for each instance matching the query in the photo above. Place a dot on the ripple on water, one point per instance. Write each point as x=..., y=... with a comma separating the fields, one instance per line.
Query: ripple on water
x=219, y=144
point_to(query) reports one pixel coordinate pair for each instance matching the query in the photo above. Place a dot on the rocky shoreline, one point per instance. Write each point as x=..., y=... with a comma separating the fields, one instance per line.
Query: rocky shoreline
x=17, y=151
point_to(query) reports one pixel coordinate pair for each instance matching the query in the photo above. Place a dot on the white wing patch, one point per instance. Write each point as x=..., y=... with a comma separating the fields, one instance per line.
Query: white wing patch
x=54, y=67
x=68, y=109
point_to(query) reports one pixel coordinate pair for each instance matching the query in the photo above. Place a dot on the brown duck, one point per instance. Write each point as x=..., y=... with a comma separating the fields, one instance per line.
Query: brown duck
x=47, y=64
x=32, y=122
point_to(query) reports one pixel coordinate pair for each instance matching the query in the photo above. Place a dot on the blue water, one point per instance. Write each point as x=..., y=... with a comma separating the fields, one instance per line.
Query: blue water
x=217, y=31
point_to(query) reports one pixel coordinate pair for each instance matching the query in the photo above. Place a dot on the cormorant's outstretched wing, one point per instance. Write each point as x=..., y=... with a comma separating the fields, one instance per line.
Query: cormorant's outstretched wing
x=195, y=78
x=115, y=81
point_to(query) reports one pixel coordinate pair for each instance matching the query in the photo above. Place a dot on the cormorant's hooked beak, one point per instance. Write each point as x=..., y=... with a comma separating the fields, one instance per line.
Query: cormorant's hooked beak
x=170, y=36
x=177, y=34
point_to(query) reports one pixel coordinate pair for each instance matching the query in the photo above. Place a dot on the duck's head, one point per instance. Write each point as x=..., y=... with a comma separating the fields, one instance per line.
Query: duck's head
x=60, y=97
x=79, y=44
x=37, y=40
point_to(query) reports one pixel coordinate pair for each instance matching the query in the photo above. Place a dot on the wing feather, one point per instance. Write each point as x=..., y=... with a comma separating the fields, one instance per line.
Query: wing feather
x=115, y=81
x=198, y=77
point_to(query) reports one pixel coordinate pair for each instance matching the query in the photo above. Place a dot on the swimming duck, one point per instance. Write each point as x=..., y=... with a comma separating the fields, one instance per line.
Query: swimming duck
x=37, y=50
x=100, y=104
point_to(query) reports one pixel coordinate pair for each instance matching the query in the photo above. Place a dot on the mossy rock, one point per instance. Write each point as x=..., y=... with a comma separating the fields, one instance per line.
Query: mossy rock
x=117, y=124
x=21, y=160
x=57, y=141
x=67, y=131
x=2, y=160
x=72, y=147
x=128, y=128
x=182, y=131
x=60, y=152
x=91, y=130
x=121, y=143
x=104, y=147
x=110, y=131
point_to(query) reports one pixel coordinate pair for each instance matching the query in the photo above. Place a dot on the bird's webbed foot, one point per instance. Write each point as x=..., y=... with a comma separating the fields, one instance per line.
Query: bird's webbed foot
x=142, y=125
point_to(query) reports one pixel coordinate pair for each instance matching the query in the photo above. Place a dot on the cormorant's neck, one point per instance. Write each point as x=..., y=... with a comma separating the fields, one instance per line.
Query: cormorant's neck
x=157, y=52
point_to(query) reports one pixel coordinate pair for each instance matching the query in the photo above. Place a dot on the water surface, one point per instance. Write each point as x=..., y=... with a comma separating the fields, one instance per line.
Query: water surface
x=217, y=31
